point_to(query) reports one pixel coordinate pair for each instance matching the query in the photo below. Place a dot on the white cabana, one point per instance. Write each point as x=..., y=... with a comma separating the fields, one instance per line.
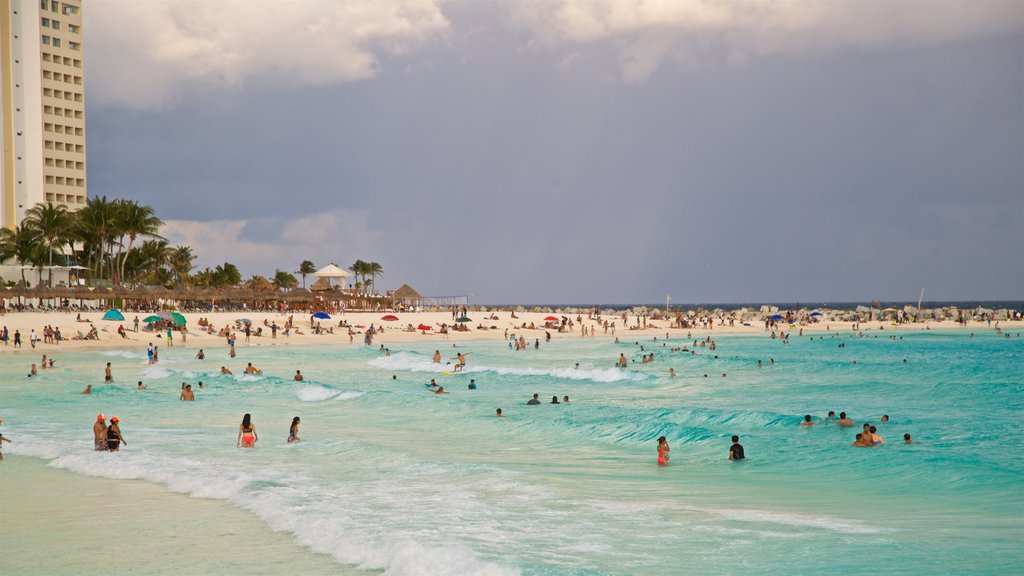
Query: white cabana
x=330, y=271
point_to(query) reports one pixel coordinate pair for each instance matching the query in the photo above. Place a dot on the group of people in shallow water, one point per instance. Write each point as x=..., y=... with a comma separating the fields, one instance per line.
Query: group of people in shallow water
x=247, y=436
x=868, y=438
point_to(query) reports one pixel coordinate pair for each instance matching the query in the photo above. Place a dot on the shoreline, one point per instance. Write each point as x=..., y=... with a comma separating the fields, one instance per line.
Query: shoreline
x=54, y=527
x=395, y=332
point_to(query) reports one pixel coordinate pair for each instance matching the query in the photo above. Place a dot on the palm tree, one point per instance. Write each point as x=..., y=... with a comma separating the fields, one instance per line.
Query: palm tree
x=136, y=220
x=145, y=260
x=307, y=267
x=284, y=280
x=51, y=221
x=98, y=226
x=359, y=268
x=374, y=270
x=227, y=275
x=24, y=244
x=180, y=260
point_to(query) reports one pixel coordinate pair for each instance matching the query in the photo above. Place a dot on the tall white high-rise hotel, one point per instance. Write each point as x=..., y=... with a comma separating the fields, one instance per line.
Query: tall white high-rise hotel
x=42, y=98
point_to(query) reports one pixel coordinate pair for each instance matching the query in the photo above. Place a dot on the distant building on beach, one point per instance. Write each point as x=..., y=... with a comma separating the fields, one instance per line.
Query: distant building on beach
x=42, y=99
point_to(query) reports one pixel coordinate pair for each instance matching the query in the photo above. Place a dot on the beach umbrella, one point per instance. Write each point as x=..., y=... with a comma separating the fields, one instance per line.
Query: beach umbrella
x=178, y=319
x=775, y=317
x=322, y=316
x=463, y=319
x=815, y=313
x=113, y=314
x=243, y=321
x=551, y=319
x=153, y=318
x=389, y=318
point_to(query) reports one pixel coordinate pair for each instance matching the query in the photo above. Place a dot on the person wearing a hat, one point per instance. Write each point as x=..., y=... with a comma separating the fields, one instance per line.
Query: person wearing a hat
x=99, y=432
x=114, y=438
x=2, y=440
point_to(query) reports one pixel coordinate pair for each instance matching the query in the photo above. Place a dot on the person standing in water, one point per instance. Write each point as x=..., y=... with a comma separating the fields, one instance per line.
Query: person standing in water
x=736, y=450
x=2, y=439
x=99, y=432
x=293, y=431
x=663, y=450
x=246, y=433
x=114, y=437
x=107, y=375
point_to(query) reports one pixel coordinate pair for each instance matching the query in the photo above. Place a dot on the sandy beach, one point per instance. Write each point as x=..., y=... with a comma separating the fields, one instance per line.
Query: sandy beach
x=482, y=327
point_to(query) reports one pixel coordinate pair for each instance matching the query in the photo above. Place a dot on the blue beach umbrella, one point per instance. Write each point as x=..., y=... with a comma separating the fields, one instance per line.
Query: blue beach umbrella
x=776, y=317
x=815, y=313
x=113, y=314
x=322, y=316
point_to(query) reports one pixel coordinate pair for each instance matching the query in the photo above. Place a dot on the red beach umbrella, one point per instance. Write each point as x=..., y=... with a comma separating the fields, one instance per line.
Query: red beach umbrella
x=551, y=319
x=389, y=318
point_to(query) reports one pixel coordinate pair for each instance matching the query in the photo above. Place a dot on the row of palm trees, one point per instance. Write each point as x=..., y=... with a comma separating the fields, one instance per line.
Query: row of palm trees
x=118, y=240
x=115, y=240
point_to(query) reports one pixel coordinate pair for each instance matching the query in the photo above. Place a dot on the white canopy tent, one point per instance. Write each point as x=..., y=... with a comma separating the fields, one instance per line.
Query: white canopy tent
x=330, y=271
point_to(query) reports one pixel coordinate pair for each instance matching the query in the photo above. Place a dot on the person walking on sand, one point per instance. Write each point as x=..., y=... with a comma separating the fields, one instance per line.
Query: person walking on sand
x=246, y=433
x=99, y=432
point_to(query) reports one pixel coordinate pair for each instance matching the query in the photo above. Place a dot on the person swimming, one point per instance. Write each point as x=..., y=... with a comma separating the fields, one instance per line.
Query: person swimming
x=663, y=450
x=808, y=421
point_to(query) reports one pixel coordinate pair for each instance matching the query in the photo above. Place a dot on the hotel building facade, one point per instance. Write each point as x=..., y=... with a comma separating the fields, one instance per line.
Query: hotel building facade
x=42, y=99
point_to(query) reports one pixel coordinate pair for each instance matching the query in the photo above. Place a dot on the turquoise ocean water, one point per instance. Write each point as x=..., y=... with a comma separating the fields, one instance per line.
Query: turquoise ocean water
x=392, y=478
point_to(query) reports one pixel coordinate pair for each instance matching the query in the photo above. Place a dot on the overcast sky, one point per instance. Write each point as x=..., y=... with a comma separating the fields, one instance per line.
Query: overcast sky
x=577, y=152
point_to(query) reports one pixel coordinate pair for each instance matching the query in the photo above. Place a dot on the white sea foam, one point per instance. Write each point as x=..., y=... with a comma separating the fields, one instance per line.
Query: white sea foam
x=315, y=393
x=285, y=501
x=155, y=373
x=799, y=520
x=123, y=354
x=417, y=363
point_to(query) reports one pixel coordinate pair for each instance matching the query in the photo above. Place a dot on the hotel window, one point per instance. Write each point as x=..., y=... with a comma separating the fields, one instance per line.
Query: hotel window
x=46, y=57
x=79, y=132
x=55, y=24
x=78, y=97
x=74, y=45
x=77, y=63
x=48, y=127
x=54, y=5
x=74, y=29
x=42, y=4
x=79, y=148
x=47, y=92
x=56, y=42
x=78, y=114
x=47, y=75
x=49, y=195
x=79, y=165
x=46, y=22
x=60, y=180
x=67, y=61
x=49, y=161
x=49, y=179
x=46, y=40
x=79, y=181
x=48, y=144
x=70, y=10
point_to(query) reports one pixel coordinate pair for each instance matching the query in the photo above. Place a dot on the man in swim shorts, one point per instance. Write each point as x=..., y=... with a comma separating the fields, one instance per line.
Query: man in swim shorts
x=535, y=401
x=99, y=432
